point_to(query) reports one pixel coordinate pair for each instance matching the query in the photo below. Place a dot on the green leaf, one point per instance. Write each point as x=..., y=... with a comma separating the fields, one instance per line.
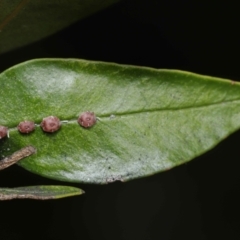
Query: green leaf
x=24, y=21
x=149, y=120
x=39, y=192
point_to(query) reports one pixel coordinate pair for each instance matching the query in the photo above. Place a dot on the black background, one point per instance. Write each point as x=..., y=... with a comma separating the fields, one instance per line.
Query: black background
x=198, y=200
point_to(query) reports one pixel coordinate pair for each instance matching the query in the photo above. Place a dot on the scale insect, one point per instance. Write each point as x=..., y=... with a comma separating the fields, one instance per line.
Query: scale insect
x=87, y=119
x=50, y=124
x=26, y=127
x=3, y=132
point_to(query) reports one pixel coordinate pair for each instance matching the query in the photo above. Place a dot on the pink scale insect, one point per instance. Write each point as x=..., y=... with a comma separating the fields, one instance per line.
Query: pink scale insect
x=87, y=119
x=26, y=127
x=50, y=124
x=3, y=132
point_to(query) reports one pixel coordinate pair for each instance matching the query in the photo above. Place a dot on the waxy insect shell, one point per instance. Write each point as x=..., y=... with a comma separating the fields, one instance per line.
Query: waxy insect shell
x=26, y=127
x=87, y=119
x=3, y=131
x=50, y=124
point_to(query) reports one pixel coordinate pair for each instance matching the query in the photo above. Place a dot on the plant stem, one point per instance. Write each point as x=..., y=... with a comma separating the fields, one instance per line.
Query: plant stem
x=16, y=156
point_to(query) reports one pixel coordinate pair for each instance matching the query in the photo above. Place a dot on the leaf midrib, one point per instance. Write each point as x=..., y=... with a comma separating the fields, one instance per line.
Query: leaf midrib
x=107, y=115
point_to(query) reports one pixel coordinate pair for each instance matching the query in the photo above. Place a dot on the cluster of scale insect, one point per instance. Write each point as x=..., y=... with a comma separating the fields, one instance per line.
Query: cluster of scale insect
x=50, y=124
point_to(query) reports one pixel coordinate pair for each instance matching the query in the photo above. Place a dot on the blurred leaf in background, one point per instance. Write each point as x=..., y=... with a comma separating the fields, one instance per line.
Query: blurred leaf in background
x=39, y=192
x=25, y=21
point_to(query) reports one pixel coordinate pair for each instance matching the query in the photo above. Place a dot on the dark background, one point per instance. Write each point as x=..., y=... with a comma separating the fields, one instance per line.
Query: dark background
x=198, y=200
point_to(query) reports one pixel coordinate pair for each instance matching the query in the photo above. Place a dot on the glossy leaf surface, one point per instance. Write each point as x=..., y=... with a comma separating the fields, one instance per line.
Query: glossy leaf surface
x=149, y=120
x=39, y=192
